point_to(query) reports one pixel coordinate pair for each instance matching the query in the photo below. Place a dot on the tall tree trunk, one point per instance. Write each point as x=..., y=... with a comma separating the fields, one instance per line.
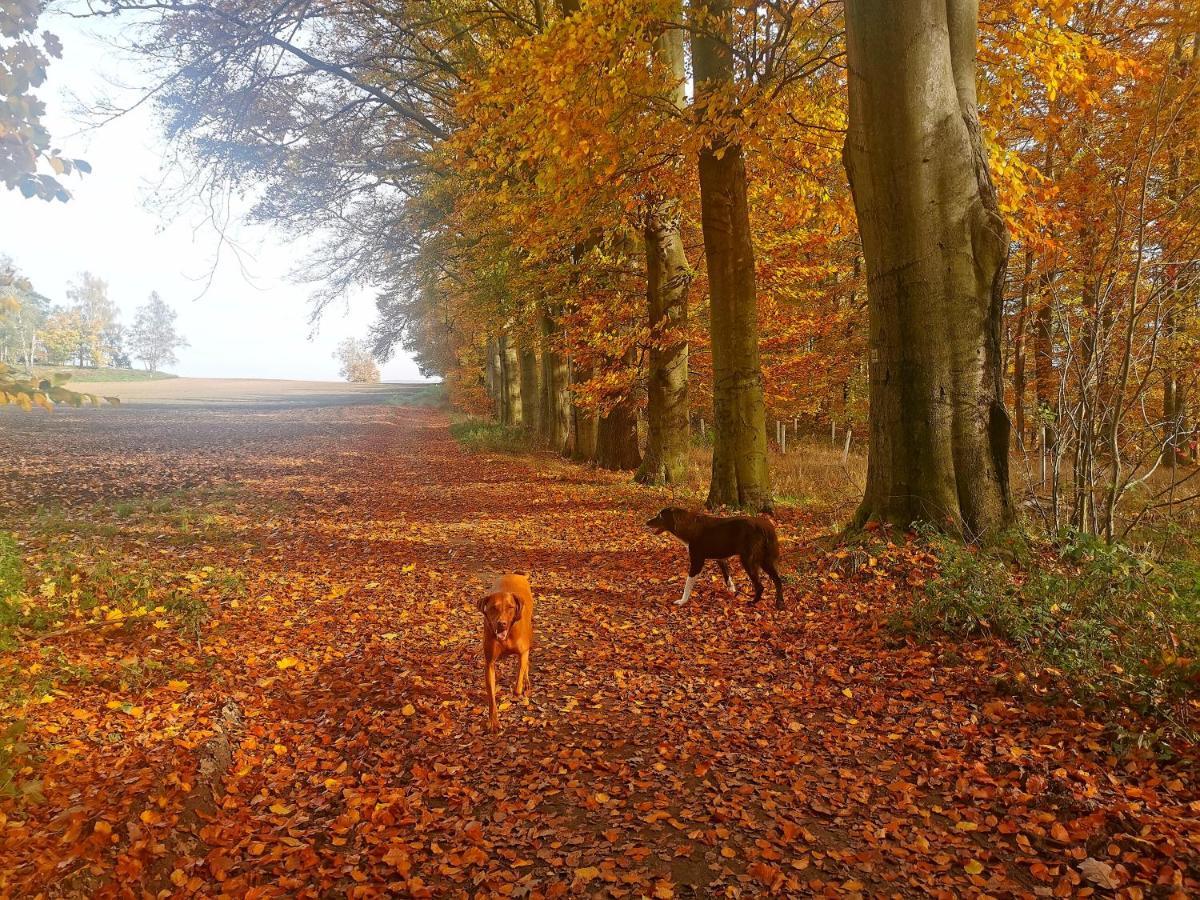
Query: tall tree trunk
x=935, y=249
x=530, y=407
x=668, y=277
x=616, y=433
x=493, y=378
x=739, y=469
x=583, y=422
x=556, y=398
x=1019, y=376
x=1045, y=388
x=510, y=369
x=668, y=437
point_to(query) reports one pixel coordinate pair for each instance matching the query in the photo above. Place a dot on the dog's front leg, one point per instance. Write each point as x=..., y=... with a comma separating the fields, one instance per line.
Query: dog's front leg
x=523, y=676
x=490, y=677
x=694, y=567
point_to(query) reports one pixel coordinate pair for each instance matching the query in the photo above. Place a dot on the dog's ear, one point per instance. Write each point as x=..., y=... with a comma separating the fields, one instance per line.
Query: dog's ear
x=481, y=603
x=520, y=607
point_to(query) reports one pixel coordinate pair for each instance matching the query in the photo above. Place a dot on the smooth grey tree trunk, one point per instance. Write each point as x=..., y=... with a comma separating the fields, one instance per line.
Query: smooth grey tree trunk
x=493, y=378
x=740, y=477
x=935, y=247
x=668, y=277
x=556, y=397
x=530, y=407
x=583, y=422
x=616, y=433
x=510, y=368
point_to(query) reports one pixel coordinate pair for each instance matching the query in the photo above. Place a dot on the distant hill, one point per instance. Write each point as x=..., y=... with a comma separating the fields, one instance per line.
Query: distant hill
x=95, y=374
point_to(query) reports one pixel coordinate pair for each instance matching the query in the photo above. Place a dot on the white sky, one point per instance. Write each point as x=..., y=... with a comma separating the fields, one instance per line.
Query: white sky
x=253, y=325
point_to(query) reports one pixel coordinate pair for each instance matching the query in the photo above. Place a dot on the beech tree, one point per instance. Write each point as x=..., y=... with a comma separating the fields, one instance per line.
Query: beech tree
x=935, y=247
x=739, y=468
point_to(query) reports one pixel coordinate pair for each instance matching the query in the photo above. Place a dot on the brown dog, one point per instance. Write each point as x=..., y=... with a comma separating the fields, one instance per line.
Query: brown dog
x=507, y=629
x=751, y=540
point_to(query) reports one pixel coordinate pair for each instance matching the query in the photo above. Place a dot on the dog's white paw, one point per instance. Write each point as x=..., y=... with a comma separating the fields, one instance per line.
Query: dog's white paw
x=680, y=602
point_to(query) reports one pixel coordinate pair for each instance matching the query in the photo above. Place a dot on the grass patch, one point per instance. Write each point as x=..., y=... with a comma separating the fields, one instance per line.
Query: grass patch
x=425, y=395
x=100, y=373
x=480, y=435
x=1121, y=629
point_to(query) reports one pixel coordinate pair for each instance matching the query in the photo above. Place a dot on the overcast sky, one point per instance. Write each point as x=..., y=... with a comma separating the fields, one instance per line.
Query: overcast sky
x=253, y=324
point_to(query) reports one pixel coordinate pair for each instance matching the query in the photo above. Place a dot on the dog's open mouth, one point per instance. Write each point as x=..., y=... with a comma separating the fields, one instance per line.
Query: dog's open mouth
x=501, y=632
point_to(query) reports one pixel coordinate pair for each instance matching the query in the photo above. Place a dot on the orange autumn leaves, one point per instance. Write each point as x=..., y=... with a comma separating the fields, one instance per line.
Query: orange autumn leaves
x=328, y=734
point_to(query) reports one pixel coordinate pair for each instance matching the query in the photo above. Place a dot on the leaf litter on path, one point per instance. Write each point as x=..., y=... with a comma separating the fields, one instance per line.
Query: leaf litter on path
x=325, y=731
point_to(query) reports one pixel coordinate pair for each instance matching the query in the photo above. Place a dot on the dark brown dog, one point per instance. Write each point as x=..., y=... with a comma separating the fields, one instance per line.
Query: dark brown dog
x=751, y=540
x=507, y=630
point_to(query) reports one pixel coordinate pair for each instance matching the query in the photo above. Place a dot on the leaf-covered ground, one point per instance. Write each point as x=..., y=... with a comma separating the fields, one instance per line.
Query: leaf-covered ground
x=292, y=702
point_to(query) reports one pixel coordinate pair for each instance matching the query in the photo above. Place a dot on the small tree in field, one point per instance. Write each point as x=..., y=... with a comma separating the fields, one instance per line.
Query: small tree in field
x=357, y=364
x=153, y=338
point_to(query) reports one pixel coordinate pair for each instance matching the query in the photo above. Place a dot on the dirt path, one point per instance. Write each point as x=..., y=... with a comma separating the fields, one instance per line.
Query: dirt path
x=325, y=733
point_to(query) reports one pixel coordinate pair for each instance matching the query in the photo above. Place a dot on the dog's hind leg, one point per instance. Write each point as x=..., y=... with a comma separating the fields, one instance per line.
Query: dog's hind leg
x=769, y=568
x=751, y=567
x=725, y=571
x=694, y=567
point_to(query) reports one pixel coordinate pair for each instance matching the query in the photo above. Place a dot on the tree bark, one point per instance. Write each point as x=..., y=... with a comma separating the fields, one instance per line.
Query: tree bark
x=510, y=368
x=556, y=399
x=583, y=423
x=493, y=378
x=740, y=477
x=668, y=277
x=1019, y=376
x=616, y=433
x=668, y=438
x=530, y=407
x=936, y=248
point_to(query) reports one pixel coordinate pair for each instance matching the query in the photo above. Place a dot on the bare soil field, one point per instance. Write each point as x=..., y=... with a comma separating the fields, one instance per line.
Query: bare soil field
x=202, y=391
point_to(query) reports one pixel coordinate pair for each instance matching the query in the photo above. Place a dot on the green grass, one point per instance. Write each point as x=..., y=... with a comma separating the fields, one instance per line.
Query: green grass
x=482, y=435
x=1121, y=630
x=100, y=374
x=425, y=395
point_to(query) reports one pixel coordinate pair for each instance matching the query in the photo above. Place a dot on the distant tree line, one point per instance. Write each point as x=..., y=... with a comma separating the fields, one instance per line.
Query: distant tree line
x=85, y=330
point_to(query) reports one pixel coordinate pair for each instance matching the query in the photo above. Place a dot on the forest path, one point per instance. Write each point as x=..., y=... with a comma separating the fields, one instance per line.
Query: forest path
x=325, y=730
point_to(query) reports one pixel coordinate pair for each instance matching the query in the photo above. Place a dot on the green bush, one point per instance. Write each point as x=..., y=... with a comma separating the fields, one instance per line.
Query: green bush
x=1123, y=630
x=489, y=437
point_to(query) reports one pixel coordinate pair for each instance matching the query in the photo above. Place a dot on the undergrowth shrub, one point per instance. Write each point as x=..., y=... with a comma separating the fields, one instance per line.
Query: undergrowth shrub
x=1122, y=629
x=482, y=435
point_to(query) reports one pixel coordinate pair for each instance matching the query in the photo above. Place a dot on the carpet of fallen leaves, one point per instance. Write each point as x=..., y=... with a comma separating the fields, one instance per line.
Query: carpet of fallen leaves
x=323, y=731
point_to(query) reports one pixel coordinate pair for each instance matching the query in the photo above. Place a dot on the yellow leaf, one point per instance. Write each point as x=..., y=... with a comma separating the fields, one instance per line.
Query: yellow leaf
x=287, y=662
x=177, y=686
x=409, y=709
x=974, y=867
x=587, y=873
x=280, y=809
